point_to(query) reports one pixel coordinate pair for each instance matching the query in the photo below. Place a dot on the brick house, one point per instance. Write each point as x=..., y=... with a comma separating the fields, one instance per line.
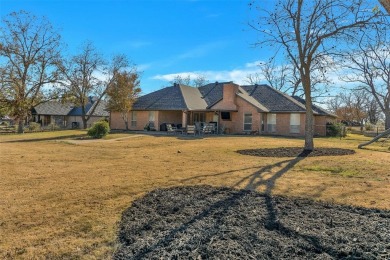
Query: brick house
x=233, y=108
x=67, y=115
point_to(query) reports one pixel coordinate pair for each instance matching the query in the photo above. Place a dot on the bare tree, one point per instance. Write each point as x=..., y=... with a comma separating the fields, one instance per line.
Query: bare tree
x=307, y=33
x=29, y=55
x=88, y=75
x=198, y=81
x=123, y=92
x=355, y=107
x=283, y=77
x=370, y=67
x=183, y=80
x=254, y=78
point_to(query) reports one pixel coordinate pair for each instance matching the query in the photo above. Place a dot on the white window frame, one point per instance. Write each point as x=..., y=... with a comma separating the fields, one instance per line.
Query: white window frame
x=245, y=126
x=271, y=122
x=134, y=118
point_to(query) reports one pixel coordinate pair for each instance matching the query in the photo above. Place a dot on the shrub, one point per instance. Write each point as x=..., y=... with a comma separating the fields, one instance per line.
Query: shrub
x=336, y=129
x=99, y=129
x=369, y=127
x=33, y=126
x=53, y=126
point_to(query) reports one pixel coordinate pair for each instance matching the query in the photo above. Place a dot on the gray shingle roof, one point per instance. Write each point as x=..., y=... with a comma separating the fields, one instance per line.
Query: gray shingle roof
x=212, y=93
x=99, y=111
x=169, y=98
x=273, y=100
x=54, y=108
x=244, y=95
x=316, y=109
x=180, y=97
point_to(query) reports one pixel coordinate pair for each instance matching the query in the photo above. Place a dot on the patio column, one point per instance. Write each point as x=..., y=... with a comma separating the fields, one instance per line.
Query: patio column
x=184, y=118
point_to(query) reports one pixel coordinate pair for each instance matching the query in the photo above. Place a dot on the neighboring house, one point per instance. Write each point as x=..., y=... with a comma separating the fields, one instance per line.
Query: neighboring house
x=66, y=115
x=237, y=109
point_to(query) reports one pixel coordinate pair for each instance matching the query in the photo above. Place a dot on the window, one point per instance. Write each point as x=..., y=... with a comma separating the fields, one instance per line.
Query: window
x=271, y=123
x=262, y=122
x=225, y=116
x=151, y=116
x=199, y=117
x=133, y=118
x=295, y=123
x=248, y=122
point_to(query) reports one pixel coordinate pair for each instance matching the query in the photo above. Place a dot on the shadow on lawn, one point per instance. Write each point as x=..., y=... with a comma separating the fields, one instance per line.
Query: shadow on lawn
x=223, y=206
x=46, y=139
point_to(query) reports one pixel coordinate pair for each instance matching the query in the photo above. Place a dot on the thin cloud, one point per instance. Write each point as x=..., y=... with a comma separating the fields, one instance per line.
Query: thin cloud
x=201, y=50
x=238, y=76
x=133, y=44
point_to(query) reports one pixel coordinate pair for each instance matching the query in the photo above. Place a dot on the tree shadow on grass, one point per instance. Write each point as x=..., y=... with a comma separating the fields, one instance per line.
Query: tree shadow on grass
x=46, y=139
x=221, y=207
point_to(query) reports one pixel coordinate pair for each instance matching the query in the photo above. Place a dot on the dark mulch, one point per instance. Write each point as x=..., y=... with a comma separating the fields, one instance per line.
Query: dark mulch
x=203, y=222
x=295, y=152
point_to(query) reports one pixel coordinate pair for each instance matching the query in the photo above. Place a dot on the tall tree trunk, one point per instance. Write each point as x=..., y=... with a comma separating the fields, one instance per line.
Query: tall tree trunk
x=387, y=119
x=309, y=122
x=84, y=122
x=21, y=125
x=125, y=119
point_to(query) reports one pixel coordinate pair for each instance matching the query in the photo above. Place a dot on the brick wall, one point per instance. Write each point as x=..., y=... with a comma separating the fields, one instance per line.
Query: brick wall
x=116, y=121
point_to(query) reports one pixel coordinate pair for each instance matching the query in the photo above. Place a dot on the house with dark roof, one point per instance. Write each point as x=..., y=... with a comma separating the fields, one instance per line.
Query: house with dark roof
x=232, y=108
x=67, y=115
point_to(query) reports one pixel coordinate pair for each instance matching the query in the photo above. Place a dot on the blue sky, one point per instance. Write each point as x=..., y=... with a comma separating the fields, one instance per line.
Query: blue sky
x=163, y=37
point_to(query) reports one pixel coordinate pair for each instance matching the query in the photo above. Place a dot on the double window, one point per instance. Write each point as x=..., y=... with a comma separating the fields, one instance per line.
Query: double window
x=271, y=123
x=295, y=123
x=152, y=116
x=133, y=118
x=247, y=121
x=199, y=117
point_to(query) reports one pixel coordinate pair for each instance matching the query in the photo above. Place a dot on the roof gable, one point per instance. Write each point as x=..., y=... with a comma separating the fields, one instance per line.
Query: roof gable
x=212, y=93
x=169, y=98
x=193, y=98
x=244, y=95
x=273, y=100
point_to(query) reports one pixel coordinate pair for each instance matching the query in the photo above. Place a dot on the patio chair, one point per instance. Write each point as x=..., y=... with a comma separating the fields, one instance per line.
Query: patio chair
x=208, y=129
x=191, y=130
x=171, y=129
x=198, y=127
x=151, y=126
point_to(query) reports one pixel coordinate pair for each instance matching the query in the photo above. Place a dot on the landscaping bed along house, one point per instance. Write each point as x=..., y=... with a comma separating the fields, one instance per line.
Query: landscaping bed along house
x=204, y=222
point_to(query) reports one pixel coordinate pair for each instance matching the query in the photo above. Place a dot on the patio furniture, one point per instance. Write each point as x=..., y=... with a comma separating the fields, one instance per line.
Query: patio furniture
x=150, y=126
x=191, y=130
x=171, y=129
x=198, y=127
x=208, y=129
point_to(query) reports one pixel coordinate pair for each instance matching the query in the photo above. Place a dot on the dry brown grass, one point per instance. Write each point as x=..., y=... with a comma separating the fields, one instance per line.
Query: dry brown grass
x=62, y=198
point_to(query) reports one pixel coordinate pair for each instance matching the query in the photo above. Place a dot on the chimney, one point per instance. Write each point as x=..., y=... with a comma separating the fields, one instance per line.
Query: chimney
x=229, y=93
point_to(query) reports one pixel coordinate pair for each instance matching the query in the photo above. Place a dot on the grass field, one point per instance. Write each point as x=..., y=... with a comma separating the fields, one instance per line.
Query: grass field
x=61, y=197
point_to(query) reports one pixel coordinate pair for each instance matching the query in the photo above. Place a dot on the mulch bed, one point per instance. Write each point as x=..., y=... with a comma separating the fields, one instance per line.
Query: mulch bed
x=203, y=222
x=295, y=152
